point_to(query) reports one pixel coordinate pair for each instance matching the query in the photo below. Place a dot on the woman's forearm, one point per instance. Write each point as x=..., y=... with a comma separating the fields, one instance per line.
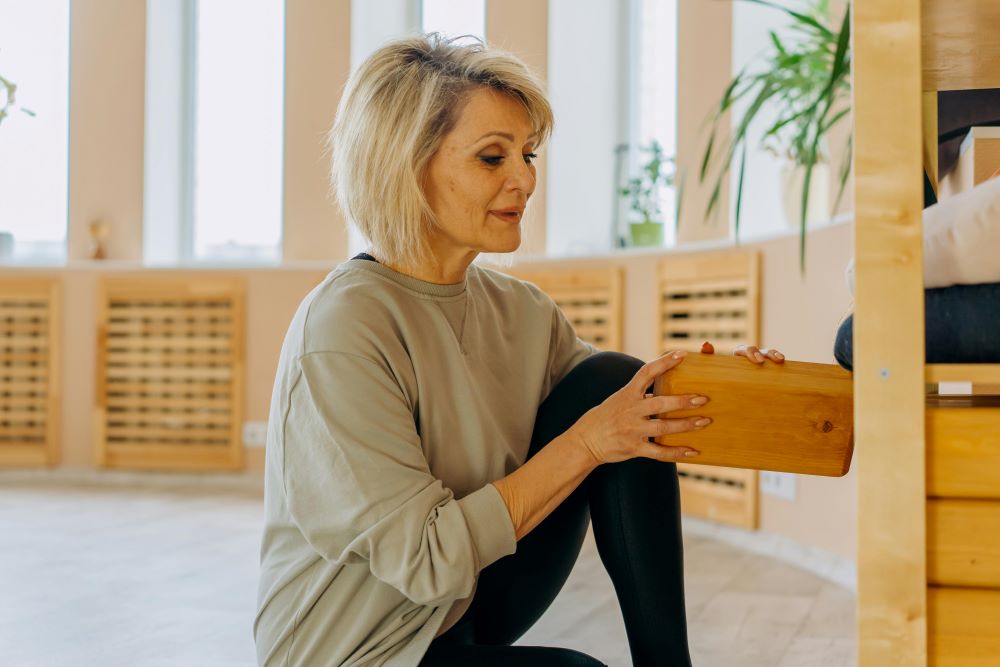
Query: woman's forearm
x=536, y=488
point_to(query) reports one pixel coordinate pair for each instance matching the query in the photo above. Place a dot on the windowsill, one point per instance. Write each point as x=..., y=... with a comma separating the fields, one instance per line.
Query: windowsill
x=328, y=265
x=694, y=246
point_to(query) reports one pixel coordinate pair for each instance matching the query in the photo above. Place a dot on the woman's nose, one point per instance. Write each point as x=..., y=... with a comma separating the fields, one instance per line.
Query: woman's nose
x=522, y=177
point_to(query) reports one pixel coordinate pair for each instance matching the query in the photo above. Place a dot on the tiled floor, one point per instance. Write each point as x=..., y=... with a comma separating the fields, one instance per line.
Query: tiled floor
x=166, y=575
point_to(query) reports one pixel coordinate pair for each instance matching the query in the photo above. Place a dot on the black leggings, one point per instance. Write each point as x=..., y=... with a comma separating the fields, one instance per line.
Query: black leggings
x=635, y=507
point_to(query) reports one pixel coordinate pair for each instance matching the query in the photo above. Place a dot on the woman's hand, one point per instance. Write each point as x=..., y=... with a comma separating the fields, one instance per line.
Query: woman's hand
x=751, y=352
x=620, y=428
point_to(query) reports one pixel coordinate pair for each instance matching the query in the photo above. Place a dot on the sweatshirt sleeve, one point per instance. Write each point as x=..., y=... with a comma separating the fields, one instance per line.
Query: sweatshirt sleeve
x=359, y=488
x=566, y=349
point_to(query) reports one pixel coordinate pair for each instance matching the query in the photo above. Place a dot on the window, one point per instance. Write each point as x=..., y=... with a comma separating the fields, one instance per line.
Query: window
x=214, y=130
x=34, y=158
x=454, y=18
x=655, y=112
x=612, y=81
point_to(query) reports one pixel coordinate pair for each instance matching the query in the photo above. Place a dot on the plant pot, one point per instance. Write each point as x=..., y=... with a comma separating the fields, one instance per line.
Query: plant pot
x=792, y=179
x=646, y=233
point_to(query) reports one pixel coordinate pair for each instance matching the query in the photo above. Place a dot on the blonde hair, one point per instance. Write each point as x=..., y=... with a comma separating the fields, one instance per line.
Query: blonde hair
x=395, y=110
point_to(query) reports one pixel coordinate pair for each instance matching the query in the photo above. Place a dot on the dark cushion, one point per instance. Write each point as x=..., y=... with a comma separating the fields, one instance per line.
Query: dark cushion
x=962, y=327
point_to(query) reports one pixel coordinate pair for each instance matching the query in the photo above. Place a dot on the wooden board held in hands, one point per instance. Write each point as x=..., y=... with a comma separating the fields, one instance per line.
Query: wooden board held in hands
x=792, y=417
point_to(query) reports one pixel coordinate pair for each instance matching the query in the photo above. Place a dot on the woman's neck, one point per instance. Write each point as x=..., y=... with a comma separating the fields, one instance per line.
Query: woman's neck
x=433, y=270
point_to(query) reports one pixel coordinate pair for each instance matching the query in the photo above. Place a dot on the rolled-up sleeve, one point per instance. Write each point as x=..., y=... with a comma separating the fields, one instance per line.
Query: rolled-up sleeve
x=358, y=485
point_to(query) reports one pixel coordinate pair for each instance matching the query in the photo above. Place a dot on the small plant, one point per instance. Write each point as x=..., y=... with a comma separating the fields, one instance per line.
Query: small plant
x=808, y=81
x=643, y=191
x=8, y=99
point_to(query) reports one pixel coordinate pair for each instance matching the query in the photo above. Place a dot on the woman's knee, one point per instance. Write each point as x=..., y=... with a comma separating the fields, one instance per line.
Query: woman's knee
x=602, y=374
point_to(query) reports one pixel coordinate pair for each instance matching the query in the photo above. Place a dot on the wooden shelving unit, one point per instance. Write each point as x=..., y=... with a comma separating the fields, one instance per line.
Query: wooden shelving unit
x=928, y=560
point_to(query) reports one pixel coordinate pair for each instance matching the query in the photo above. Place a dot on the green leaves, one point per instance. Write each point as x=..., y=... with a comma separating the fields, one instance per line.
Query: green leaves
x=644, y=190
x=806, y=79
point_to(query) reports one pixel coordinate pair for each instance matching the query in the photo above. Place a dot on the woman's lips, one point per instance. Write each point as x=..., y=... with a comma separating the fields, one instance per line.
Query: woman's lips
x=508, y=215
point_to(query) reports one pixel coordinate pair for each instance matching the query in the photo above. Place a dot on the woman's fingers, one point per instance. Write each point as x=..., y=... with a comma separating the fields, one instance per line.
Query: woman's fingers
x=656, y=405
x=757, y=355
x=750, y=352
x=774, y=355
x=652, y=370
x=651, y=450
x=654, y=428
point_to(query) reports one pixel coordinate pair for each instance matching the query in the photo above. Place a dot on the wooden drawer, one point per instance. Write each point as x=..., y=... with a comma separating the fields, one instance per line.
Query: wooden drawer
x=963, y=627
x=963, y=543
x=963, y=452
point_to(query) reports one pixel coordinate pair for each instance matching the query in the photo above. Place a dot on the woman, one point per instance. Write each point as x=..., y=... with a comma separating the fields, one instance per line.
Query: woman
x=439, y=437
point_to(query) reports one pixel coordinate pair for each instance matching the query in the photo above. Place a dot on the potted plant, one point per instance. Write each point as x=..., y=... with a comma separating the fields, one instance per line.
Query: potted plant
x=643, y=194
x=807, y=81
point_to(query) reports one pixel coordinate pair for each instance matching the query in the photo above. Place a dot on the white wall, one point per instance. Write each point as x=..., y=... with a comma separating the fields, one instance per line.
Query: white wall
x=587, y=84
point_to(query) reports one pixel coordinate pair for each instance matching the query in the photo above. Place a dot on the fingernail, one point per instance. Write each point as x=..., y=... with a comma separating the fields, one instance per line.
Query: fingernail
x=679, y=354
x=704, y=421
x=779, y=355
x=691, y=452
x=699, y=400
x=758, y=356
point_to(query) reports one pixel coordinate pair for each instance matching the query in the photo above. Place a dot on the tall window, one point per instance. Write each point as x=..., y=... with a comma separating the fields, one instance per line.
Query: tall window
x=214, y=130
x=655, y=114
x=34, y=56
x=238, y=129
x=454, y=18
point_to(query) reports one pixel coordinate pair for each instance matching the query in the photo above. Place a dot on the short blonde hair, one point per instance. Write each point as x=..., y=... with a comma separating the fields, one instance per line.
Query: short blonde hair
x=394, y=112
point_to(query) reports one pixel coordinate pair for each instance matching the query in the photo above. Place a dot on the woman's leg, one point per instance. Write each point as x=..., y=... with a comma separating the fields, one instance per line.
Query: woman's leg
x=516, y=590
x=635, y=507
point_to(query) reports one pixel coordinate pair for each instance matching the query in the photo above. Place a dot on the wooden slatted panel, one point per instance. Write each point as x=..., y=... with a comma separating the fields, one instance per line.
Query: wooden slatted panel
x=170, y=374
x=724, y=495
x=963, y=627
x=29, y=372
x=963, y=452
x=712, y=297
x=961, y=48
x=709, y=297
x=591, y=299
x=963, y=543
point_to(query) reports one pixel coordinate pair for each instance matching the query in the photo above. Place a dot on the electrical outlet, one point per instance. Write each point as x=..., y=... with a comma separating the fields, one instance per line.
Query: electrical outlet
x=778, y=484
x=254, y=434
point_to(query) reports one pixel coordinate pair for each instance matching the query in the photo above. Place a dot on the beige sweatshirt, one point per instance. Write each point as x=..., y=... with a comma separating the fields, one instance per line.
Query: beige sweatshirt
x=396, y=403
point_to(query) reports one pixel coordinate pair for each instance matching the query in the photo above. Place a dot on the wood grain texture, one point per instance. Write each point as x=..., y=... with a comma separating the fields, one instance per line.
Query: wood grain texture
x=961, y=49
x=963, y=543
x=963, y=452
x=792, y=417
x=963, y=627
x=888, y=370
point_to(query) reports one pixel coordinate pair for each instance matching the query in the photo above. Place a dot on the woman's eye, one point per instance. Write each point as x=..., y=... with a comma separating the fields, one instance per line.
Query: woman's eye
x=529, y=158
x=492, y=160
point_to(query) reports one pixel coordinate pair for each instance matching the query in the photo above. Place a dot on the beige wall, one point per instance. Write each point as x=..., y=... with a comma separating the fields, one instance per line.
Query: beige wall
x=522, y=27
x=107, y=101
x=704, y=69
x=317, y=64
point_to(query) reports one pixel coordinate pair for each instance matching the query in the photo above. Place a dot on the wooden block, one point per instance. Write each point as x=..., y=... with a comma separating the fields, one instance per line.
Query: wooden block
x=963, y=452
x=978, y=160
x=793, y=417
x=963, y=627
x=963, y=543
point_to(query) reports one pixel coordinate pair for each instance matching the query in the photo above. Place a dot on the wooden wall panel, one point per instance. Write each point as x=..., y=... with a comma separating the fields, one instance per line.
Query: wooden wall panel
x=30, y=371
x=170, y=373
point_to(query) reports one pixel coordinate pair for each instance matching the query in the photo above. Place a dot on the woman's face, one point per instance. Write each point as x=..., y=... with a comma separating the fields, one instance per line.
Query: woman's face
x=480, y=178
